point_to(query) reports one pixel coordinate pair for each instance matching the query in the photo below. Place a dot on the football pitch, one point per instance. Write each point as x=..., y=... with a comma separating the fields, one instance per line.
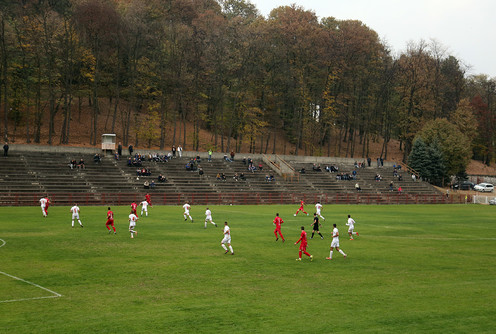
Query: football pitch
x=414, y=268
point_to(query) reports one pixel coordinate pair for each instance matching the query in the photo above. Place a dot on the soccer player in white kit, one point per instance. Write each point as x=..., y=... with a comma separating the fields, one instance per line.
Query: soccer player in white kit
x=186, y=214
x=318, y=207
x=75, y=215
x=43, y=203
x=144, y=207
x=351, y=223
x=335, y=243
x=227, y=239
x=132, y=224
x=208, y=217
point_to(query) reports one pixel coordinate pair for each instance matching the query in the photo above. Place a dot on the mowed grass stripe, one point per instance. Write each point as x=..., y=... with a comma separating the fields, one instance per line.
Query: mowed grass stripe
x=413, y=268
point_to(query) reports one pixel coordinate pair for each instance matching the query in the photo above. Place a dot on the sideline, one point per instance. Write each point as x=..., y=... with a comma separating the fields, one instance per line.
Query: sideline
x=54, y=294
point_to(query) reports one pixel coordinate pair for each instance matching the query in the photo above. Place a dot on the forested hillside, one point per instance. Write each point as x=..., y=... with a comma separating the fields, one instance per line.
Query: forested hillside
x=195, y=72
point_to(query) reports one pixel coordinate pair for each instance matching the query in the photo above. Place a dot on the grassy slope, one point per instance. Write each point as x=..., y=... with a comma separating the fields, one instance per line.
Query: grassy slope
x=413, y=268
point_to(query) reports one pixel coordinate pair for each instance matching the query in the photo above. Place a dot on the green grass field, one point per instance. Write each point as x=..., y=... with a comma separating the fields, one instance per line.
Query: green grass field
x=413, y=269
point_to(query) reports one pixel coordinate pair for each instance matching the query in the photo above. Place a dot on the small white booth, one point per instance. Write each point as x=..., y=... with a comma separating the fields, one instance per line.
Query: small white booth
x=108, y=142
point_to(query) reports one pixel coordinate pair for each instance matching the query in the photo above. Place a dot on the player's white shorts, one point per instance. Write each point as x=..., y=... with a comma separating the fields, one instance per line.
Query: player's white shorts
x=350, y=230
x=186, y=212
x=226, y=240
x=75, y=216
x=209, y=218
x=43, y=206
x=144, y=209
x=318, y=212
x=132, y=224
x=335, y=243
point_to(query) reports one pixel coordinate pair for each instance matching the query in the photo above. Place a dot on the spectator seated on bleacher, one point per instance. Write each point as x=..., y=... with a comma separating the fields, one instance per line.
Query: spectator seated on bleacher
x=81, y=164
x=391, y=186
x=271, y=178
x=73, y=164
x=146, y=184
x=97, y=159
x=152, y=184
x=354, y=173
x=316, y=168
x=267, y=177
x=198, y=159
x=188, y=166
x=242, y=176
x=244, y=160
x=400, y=178
x=378, y=177
x=200, y=171
x=218, y=177
x=161, y=178
x=252, y=168
x=227, y=158
x=357, y=187
x=236, y=177
x=129, y=162
x=223, y=177
x=302, y=170
x=260, y=166
x=116, y=156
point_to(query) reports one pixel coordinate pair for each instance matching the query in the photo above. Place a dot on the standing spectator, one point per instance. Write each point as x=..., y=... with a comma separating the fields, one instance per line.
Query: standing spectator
x=232, y=155
x=6, y=149
x=180, y=151
x=119, y=149
x=382, y=162
x=173, y=151
x=369, y=161
x=131, y=149
x=414, y=177
x=378, y=162
x=210, y=155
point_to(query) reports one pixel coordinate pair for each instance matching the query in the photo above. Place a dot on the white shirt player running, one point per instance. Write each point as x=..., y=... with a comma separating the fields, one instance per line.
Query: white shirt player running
x=144, y=207
x=75, y=212
x=227, y=235
x=186, y=214
x=351, y=224
x=318, y=208
x=208, y=218
x=335, y=237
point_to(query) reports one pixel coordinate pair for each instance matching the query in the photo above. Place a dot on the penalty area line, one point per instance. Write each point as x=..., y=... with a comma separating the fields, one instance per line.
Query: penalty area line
x=54, y=294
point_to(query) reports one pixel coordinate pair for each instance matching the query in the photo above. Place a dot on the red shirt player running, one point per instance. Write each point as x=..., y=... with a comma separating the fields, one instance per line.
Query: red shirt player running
x=148, y=198
x=278, y=221
x=134, y=206
x=303, y=245
x=301, y=209
x=110, y=220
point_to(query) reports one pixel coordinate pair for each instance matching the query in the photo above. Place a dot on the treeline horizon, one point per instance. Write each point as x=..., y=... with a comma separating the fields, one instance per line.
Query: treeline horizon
x=324, y=84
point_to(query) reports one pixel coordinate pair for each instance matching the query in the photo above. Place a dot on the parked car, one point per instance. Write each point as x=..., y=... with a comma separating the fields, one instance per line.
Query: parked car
x=484, y=187
x=465, y=185
x=492, y=202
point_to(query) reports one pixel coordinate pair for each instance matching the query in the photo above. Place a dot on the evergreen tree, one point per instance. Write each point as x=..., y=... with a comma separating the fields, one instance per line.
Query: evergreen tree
x=419, y=158
x=436, y=167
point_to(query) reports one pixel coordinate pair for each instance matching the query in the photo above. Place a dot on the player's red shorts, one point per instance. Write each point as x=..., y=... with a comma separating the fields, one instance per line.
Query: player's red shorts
x=134, y=211
x=303, y=247
x=110, y=222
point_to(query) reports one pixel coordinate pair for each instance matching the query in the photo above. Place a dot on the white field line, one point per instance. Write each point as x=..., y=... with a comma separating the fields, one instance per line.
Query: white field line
x=54, y=294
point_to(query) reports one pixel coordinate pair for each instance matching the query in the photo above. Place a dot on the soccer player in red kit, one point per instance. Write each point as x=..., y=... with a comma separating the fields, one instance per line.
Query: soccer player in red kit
x=278, y=221
x=301, y=209
x=110, y=220
x=47, y=205
x=148, y=198
x=134, y=206
x=303, y=245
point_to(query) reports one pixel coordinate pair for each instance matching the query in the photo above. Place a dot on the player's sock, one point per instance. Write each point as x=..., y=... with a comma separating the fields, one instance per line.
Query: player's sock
x=214, y=224
x=80, y=223
x=341, y=251
x=330, y=254
x=205, y=224
x=307, y=254
x=312, y=235
x=230, y=248
x=299, y=254
x=73, y=223
x=321, y=236
x=113, y=228
x=224, y=246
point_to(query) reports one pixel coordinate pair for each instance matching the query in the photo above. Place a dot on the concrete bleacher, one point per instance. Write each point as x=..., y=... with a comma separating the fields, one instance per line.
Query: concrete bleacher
x=39, y=173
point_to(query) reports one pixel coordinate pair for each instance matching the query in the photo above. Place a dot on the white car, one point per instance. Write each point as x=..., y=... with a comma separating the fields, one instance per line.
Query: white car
x=484, y=187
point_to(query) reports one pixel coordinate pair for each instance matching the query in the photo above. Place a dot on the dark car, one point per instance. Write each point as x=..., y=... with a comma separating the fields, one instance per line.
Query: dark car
x=465, y=185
